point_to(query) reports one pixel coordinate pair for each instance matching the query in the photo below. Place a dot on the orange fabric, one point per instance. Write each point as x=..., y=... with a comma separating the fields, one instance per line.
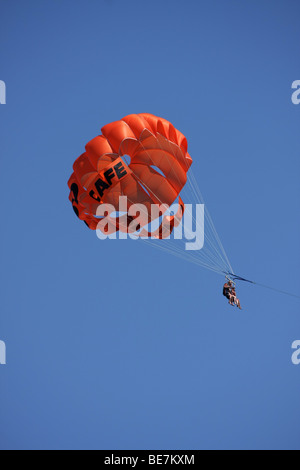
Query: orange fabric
x=156, y=173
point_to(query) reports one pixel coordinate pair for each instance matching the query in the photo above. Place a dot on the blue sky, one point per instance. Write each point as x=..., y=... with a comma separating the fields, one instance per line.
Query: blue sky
x=115, y=345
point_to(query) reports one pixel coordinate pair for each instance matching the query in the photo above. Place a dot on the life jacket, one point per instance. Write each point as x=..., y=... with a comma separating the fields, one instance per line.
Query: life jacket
x=225, y=290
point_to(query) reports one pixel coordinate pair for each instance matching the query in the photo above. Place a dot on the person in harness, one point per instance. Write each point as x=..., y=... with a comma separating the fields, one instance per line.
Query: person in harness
x=227, y=291
x=230, y=293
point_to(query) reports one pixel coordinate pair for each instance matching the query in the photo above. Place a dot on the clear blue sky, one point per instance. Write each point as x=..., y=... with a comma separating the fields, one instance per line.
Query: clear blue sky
x=115, y=345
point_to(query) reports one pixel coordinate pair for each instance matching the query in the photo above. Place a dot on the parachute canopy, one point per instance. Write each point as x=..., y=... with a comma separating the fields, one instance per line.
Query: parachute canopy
x=155, y=174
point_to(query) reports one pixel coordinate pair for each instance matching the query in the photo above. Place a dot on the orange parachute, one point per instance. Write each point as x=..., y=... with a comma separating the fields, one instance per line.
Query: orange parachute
x=156, y=173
